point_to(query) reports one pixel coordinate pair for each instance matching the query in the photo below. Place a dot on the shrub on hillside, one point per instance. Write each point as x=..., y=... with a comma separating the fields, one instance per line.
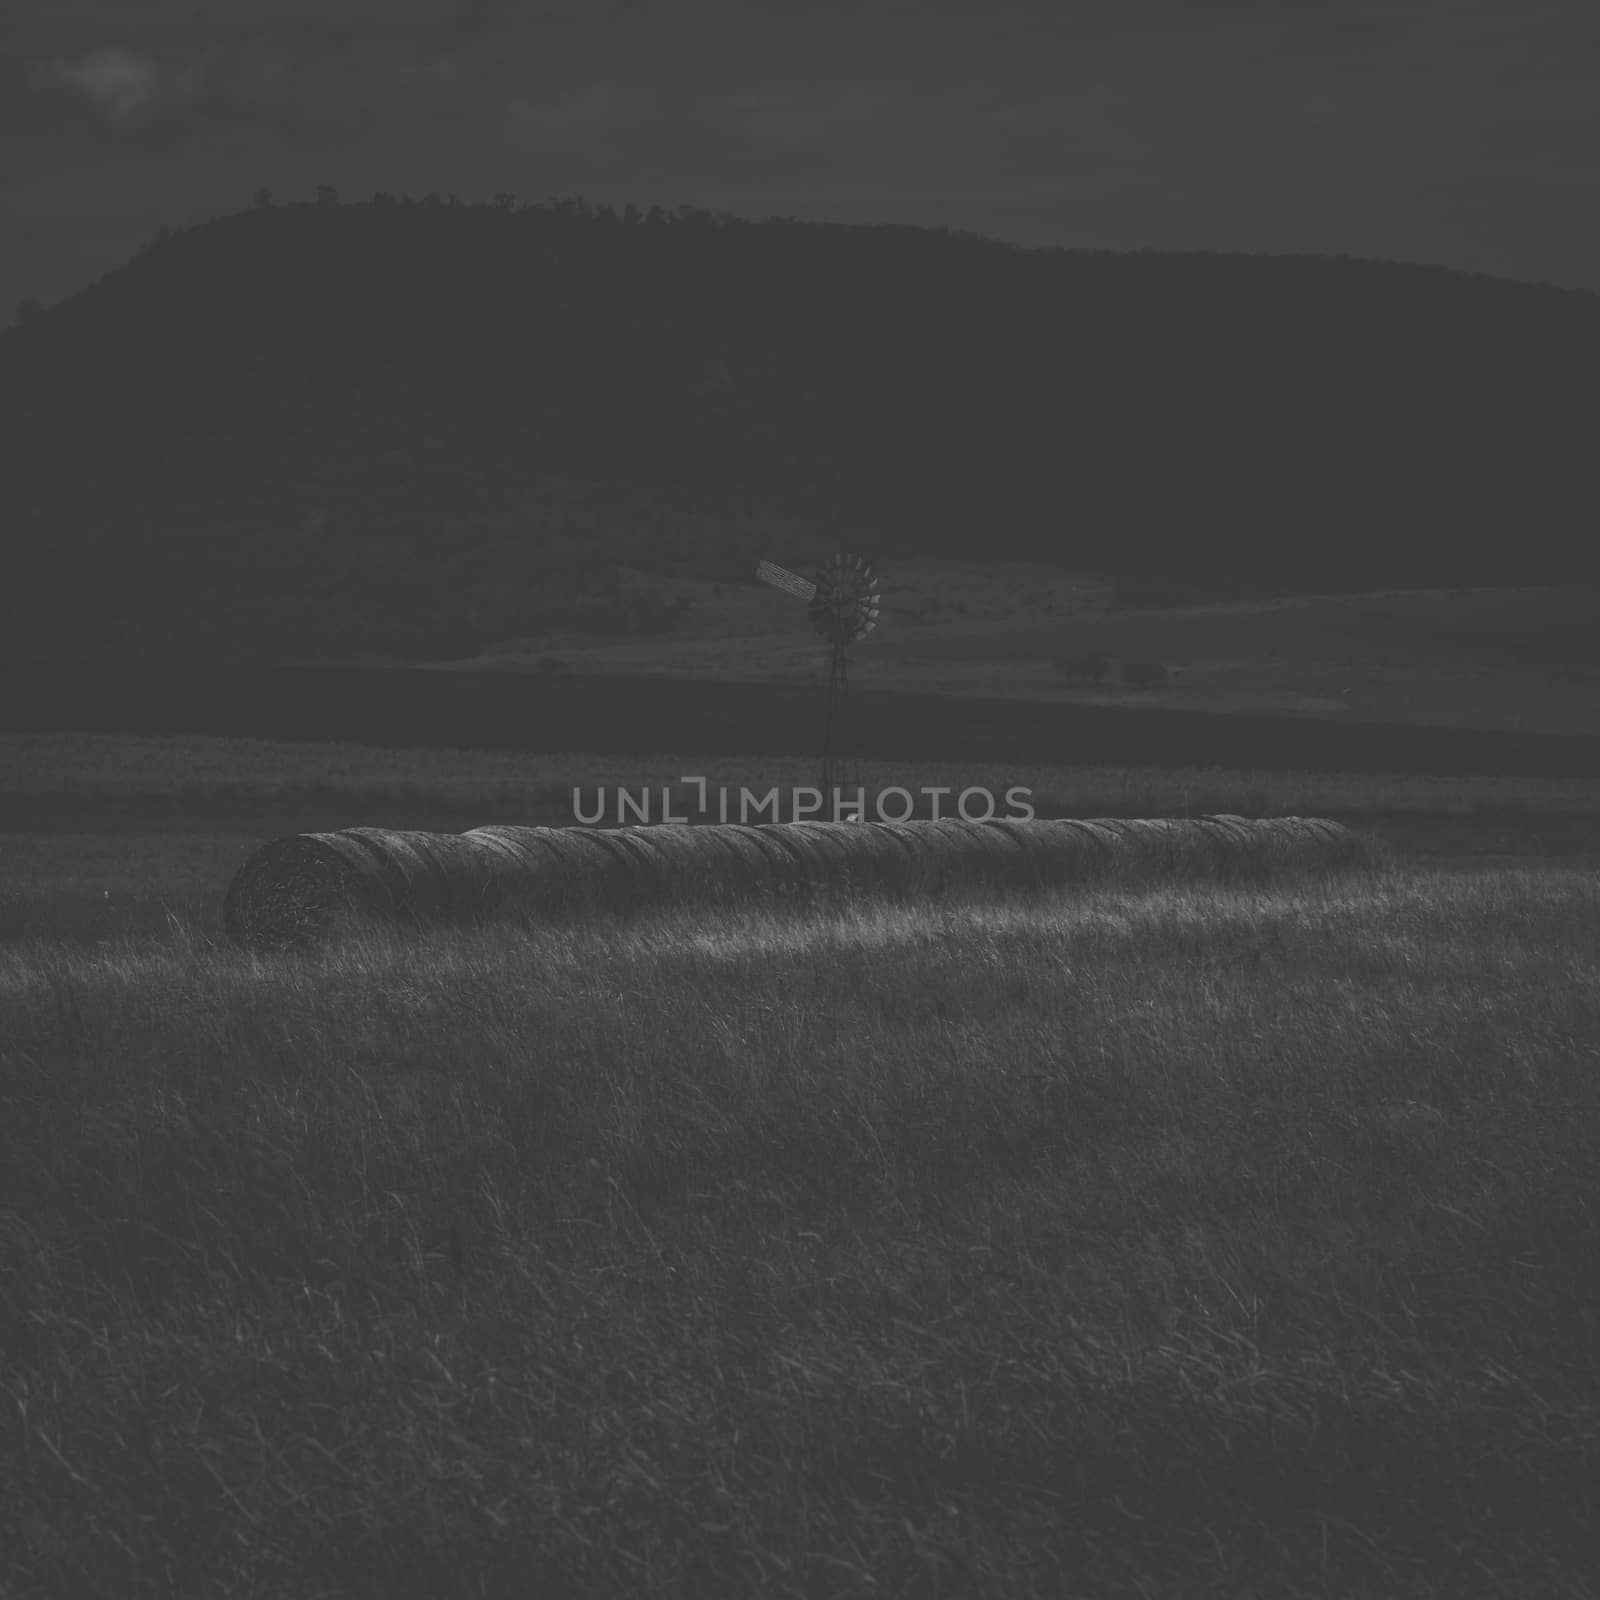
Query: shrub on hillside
x=1084, y=667
x=1145, y=674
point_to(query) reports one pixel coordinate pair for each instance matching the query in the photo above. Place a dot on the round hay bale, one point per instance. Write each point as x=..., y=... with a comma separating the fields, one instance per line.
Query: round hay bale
x=1140, y=849
x=690, y=863
x=290, y=890
x=707, y=844
x=784, y=868
x=1120, y=828
x=394, y=864
x=1324, y=829
x=598, y=869
x=976, y=837
x=935, y=856
x=1176, y=847
x=868, y=857
x=1097, y=829
x=731, y=866
x=754, y=871
x=655, y=864
x=975, y=852
x=899, y=856
x=444, y=878
x=1084, y=850
x=1089, y=842
x=822, y=859
x=517, y=850
x=1052, y=849
x=887, y=861
x=295, y=888
x=524, y=846
x=940, y=836
x=1304, y=844
x=529, y=871
x=1225, y=825
x=1232, y=839
x=625, y=870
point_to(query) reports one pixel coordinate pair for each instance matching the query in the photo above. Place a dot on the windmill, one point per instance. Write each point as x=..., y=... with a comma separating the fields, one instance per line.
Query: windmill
x=842, y=603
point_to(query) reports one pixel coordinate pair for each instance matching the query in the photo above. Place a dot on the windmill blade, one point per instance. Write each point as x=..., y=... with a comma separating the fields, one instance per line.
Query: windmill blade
x=783, y=578
x=845, y=606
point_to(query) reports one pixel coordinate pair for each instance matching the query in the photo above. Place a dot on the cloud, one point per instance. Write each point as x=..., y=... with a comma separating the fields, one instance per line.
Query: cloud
x=139, y=97
x=118, y=83
x=133, y=95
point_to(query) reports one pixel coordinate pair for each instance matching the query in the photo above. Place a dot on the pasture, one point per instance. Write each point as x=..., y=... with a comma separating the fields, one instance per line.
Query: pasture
x=1523, y=659
x=1200, y=1238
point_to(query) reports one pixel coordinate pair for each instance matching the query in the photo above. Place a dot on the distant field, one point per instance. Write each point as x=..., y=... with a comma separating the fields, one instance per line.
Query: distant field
x=551, y=713
x=1525, y=659
x=80, y=773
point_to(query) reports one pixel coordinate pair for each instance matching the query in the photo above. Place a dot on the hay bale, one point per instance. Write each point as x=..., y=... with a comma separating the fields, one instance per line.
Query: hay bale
x=648, y=874
x=578, y=872
x=1308, y=844
x=899, y=855
x=294, y=889
x=529, y=868
x=821, y=860
x=1230, y=840
x=756, y=869
x=961, y=852
x=1175, y=847
x=289, y=890
x=784, y=868
x=1076, y=849
x=889, y=859
x=869, y=858
x=431, y=877
x=698, y=852
x=683, y=861
x=606, y=870
x=1099, y=830
x=1054, y=850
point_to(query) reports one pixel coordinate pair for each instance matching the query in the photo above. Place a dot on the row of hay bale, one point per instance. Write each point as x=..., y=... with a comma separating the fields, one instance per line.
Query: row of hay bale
x=293, y=889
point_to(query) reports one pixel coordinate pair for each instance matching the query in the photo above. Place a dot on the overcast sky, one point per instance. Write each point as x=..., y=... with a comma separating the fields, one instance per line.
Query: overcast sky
x=1464, y=133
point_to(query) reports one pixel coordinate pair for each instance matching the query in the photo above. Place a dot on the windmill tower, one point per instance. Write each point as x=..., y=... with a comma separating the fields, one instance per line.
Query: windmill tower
x=842, y=603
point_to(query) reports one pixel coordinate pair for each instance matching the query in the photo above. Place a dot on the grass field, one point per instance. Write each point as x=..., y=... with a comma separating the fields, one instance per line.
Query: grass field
x=1200, y=1240
x=1186, y=1242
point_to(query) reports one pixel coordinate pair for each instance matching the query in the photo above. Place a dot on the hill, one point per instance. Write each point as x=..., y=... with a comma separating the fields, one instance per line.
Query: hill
x=416, y=429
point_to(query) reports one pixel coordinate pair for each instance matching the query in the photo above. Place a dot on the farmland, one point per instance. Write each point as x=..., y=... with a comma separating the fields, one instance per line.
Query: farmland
x=1209, y=1236
x=1220, y=1240
x=1182, y=1232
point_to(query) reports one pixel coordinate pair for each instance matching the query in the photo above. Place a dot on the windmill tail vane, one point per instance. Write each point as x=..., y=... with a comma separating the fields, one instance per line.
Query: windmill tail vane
x=783, y=578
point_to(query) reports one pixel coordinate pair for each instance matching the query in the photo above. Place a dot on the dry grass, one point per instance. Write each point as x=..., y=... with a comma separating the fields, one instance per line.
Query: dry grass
x=1201, y=1241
